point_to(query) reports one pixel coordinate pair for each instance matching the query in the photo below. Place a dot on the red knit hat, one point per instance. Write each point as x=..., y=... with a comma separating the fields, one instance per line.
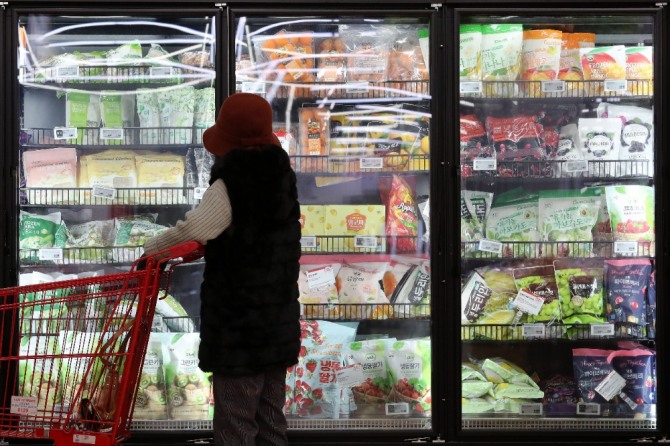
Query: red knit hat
x=244, y=120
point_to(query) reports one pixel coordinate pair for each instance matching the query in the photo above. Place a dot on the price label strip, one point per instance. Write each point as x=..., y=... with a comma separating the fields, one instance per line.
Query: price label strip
x=589, y=409
x=531, y=409
x=372, y=163
x=576, y=166
x=253, y=87
x=358, y=87
x=553, y=86
x=83, y=439
x=480, y=164
x=397, y=409
x=50, y=254
x=366, y=242
x=308, y=241
x=108, y=193
x=602, y=330
x=67, y=72
x=350, y=376
x=65, y=133
x=320, y=276
x=533, y=330
x=527, y=302
x=23, y=405
x=471, y=87
x=111, y=133
x=625, y=248
x=160, y=72
x=492, y=246
x=615, y=85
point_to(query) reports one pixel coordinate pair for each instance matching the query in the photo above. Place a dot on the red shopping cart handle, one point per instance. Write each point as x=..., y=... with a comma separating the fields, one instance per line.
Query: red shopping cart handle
x=186, y=252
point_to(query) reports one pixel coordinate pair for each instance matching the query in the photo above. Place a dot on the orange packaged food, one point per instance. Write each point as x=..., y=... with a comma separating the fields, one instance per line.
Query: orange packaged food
x=402, y=218
x=640, y=70
x=331, y=64
x=406, y=61
x=314, y=129
x=368, y=49
x=292, y=54
x=541, y=53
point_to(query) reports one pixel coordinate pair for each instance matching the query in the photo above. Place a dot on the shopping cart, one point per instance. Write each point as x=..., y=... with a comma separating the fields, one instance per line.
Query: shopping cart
x=72, y=352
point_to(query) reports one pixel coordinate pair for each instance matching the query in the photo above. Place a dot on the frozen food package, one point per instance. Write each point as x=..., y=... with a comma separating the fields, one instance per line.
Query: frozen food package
x=190, y=170
x=360, y=291
x=317, y=394
x=470, y=53
x=363, y=227
x=476, y=405
x=626, y=282
x=568, y=149
x=424, y=209
x=368, y=48
x=200, y=59
x=162, y=65
x=372, y=395
x=540, y=54
x=637, y=137
x=113, y=168
x=38, y=378
x=405, y=62
x=162, y=177
x=600, y=140
x=567, y=219
x=591, y=367
x=651, y=304
x=312, y=226
x=602, y=63
x=503, y=371
x=176, y=108
x=51, y=168
x=173, y=313
x=631, y=210
x=472, y=229
x=75, y=369
x=289, y=55
x=204, y=160
x=640, y=70
x=571, y=69
x=515, y=136
x=92, y=235
x=128, y=58
x=38, y=231
x=151, y=400
x=581, y=290
x=515, y=220
x=204, y=112
x=410, y=366
x=540, y=281
x=318, y=291
x=638, y=368
x=402, y=218
x=501, y=56
x=188, y=387
x=411, y=297
x=130, y=238
x=116, y=112
x=82, y=110
x=314, y=135
x=331, y=66
x=149, y=116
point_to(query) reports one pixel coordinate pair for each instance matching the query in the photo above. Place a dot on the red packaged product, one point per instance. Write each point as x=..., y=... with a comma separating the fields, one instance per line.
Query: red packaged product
x=402, y=219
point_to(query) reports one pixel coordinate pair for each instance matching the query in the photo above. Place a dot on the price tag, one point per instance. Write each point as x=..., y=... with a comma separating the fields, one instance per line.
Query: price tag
x=160, y=71
x=576, y=166
x=528, y=302
x=533, y=330
x=365, y=241
x=471, y=87
x=397, y=409
x=23, y=405
x=531, y=409
x=625, y=248
x=65, y=133
x=602, y=330
x=553, y=86
x=588, y=409
x=320, y=276
x=199, y=192
x=372, y=163
x=111, y=133
x=108, y=193
x=308, y=241
x=484, y=164
x=490, y=246
x=254, y=87
x=67, y=72
x=611, y=386
x=615, y=85
x=358, y=87
x=50, y=254
x=350, y=376
x=83, y=439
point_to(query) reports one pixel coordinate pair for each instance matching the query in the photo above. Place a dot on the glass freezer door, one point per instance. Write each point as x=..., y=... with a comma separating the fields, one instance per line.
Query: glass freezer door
x=558, y=300
x=111, y=113
x=352, y=108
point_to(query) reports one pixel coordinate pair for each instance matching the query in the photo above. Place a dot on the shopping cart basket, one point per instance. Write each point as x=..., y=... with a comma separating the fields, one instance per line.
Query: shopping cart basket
x=72, y=351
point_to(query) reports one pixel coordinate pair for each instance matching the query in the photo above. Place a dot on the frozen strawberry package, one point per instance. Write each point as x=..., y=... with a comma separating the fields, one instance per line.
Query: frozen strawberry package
x=409, y=363
x=373, y=393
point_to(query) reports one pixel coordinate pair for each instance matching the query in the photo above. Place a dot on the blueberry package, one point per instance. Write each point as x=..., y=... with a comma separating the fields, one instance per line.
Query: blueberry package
x=626, y=283
x=590, y=367
x=651, y=306
x=638, y=368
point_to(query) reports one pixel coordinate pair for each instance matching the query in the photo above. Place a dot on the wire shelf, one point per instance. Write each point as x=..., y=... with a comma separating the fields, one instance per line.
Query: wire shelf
x=557, y=89
x=357, y=312
x=115, y=74
x=368, y=244
x=547, y=168
x=114, y=255
x=526, y=423
x=338, y=165
x=554, y=331
x=540, y=250
x=125, y=136
x=416, y=89
x=146, y=196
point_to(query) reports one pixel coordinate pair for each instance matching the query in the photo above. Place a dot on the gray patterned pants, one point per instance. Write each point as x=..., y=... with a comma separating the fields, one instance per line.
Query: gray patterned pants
x=248, y=410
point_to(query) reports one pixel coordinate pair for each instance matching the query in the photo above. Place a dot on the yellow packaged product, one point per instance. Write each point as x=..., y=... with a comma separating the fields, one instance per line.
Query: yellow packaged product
x=112, y=168
x=603, y=63
x=640, y=70
x=312, y=226
x=540, y=57
x=160, y=170
x=356, y=228
x=571, y=62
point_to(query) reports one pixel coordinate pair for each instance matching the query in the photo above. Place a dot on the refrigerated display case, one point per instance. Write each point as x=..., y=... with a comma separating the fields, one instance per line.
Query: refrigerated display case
x=560, y=131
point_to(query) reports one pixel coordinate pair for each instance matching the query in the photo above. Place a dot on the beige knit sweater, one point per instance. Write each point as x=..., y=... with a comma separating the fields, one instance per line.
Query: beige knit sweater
x=206, y=222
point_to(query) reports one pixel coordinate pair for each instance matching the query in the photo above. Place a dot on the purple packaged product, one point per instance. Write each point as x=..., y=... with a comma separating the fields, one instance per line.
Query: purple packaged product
x=638, y=367
x=561, y=396
x=626, y=282
x=590, y=367
x=651, y=306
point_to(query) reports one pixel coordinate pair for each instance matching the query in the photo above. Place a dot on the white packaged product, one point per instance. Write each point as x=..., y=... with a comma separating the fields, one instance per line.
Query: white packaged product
x=149, y=117
x=204, y=113
x=176, y=114
x=51, y=168
x=600, y=144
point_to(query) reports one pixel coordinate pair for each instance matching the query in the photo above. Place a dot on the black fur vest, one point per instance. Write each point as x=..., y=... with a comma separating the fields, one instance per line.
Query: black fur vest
x=249, y=297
